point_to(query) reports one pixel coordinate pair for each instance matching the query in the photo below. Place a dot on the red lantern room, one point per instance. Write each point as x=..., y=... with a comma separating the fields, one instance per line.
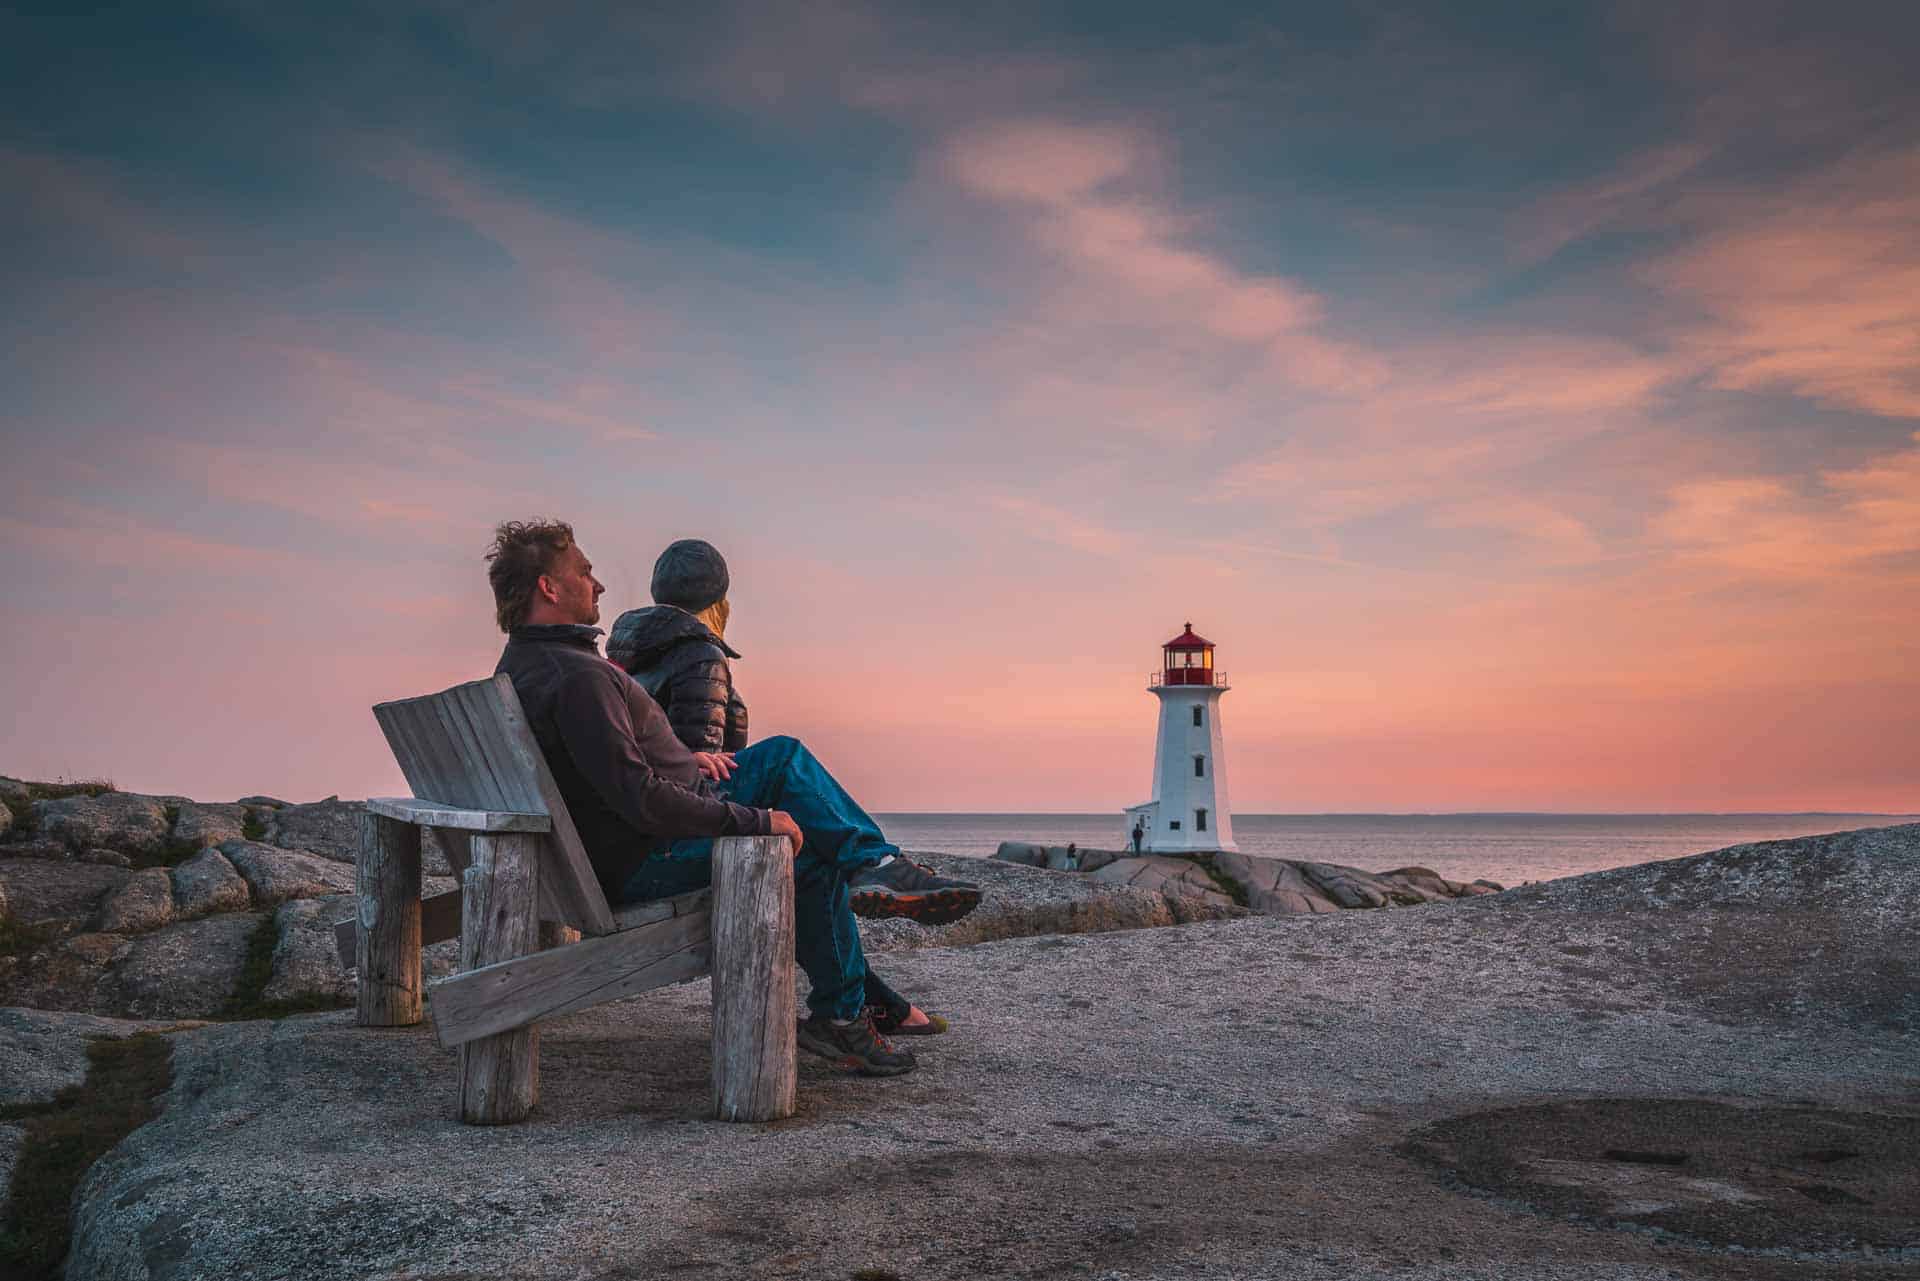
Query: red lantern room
x=1189, y=660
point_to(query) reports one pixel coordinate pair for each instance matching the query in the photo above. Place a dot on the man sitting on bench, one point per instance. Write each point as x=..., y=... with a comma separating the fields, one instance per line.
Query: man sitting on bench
x=647, y=809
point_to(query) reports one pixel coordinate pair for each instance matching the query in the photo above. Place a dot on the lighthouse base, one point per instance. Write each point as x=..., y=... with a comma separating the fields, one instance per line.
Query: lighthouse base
x=1173, y=836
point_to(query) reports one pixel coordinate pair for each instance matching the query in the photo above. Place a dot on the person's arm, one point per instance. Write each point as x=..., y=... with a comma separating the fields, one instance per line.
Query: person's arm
x=697, y=692
x=591, y=713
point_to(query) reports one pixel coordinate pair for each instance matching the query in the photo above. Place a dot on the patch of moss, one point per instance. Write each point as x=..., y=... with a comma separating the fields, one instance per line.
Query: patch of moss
x=249, y=1001
x=173, y=851
x=65, y=1137
x=18, y=938
x=253, y=827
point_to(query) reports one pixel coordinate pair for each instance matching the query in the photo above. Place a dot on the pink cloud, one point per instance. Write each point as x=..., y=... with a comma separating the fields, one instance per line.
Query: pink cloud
x=1814, y=289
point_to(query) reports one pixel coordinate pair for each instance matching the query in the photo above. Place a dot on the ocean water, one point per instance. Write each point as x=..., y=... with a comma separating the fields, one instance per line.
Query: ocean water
x=1509, y=848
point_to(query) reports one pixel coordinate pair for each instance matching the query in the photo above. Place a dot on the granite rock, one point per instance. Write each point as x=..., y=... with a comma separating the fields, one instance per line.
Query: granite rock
x=207, y=883
x=306, y=963
x=33, y=845
x=199, y=825
x=40, y=890
x=123, y=821
x=1019, y=901
x=14, y=794
x=1173, y=878
x=144, y=902
x=103, y=856
x=64, y=975
x=276, y=875
x=183, y=971
x=329, y=828
x=6, y=818
x=44, y=1051
x=1223, y=1101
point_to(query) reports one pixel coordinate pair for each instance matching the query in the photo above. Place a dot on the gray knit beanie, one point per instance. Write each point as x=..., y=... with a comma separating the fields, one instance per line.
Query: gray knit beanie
x=690, y=574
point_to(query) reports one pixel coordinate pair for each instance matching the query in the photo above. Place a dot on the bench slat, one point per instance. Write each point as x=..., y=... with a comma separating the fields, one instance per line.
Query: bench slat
x=509, y=994
x=409, y=809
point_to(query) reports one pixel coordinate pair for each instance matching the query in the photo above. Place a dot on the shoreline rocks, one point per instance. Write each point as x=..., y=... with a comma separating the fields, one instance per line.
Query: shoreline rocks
x=1265, y=885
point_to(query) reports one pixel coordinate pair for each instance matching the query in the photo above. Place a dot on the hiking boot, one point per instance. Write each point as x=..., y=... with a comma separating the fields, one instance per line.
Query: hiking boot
x=854, y=1046
x=891, y=1023
x=902, y=887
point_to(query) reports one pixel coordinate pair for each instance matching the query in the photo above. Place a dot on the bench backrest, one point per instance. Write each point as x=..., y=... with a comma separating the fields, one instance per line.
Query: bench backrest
x=470, y=747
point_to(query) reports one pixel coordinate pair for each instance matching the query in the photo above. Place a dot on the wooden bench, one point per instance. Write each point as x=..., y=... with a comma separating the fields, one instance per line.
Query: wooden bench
x=537, y=937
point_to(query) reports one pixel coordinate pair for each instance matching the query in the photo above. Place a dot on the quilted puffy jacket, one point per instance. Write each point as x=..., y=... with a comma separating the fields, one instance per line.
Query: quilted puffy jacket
x=683, y=665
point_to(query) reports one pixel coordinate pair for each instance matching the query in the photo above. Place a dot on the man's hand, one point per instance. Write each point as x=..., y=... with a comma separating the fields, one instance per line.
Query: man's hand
x=715, y=765
x=783, y=825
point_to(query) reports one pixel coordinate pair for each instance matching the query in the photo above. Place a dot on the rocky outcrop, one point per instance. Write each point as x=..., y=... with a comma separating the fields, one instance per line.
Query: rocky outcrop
x=183, y=971
x=329, y=828
x=1269, y=886
x=199, y=825
x=1019, y=902
x=143, y=902
x=122, y=821
x=207, y=883
x=276, y=875
x=41, y=891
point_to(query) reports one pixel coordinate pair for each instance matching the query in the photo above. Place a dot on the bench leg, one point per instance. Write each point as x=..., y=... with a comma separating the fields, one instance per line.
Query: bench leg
x=500, y=920
x=387, y=880
x=753, y=1046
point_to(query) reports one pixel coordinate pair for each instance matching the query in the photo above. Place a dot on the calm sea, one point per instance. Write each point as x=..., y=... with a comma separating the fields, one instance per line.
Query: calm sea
x=1508, y=848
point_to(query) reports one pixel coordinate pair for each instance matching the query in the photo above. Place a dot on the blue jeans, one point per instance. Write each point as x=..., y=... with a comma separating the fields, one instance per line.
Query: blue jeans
x=841, y=840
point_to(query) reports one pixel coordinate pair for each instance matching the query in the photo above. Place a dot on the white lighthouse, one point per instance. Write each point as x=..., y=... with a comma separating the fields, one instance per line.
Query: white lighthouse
x=1189, y=811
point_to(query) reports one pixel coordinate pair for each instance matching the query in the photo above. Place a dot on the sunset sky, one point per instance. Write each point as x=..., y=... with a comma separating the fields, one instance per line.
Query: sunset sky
x=1525, y=398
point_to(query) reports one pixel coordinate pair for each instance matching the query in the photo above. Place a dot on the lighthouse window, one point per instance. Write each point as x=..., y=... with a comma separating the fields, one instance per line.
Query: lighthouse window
x=1173, y=825
x=1199, y=716
x=1199, y=767
x=1199, y=820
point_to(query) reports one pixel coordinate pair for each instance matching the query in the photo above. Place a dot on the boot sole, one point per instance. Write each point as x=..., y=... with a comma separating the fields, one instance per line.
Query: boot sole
x=936, y=907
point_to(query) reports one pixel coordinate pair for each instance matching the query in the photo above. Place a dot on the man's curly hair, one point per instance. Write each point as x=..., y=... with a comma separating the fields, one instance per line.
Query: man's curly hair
x=522, y=551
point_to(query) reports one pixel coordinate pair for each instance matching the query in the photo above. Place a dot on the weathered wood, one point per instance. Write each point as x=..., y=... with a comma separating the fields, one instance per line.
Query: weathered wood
x=515, y=992
x=662, y=909
x=469, y=747
x=387, y=946
x=458, y=847
x=439, y=921
x=753, y=1042
x=436, y=814
x=500, y=1074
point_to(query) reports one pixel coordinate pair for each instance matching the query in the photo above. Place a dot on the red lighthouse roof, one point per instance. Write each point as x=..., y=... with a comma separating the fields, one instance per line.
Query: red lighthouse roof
x=1187, y=640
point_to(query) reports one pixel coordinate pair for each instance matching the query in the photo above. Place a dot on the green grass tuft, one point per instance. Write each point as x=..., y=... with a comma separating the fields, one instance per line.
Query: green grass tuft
x=253, y=827
x=63, y=788
x=66, y=1136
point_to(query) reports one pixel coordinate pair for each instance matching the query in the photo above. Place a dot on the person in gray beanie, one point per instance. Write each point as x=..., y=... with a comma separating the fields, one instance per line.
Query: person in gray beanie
x=677, y=650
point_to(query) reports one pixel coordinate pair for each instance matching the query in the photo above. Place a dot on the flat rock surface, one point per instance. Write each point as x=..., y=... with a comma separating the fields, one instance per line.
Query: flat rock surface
x=208, y=883
x=1234, y=1099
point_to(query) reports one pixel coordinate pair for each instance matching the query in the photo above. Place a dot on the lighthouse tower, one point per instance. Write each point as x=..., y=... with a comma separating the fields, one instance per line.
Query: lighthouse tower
x=1189, y=811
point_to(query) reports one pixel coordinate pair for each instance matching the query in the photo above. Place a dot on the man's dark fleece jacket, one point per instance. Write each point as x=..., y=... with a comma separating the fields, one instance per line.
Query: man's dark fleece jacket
x=629, y=784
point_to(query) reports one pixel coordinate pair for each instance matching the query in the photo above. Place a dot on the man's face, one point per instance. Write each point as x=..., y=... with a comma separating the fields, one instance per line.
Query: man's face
x=576, y=592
